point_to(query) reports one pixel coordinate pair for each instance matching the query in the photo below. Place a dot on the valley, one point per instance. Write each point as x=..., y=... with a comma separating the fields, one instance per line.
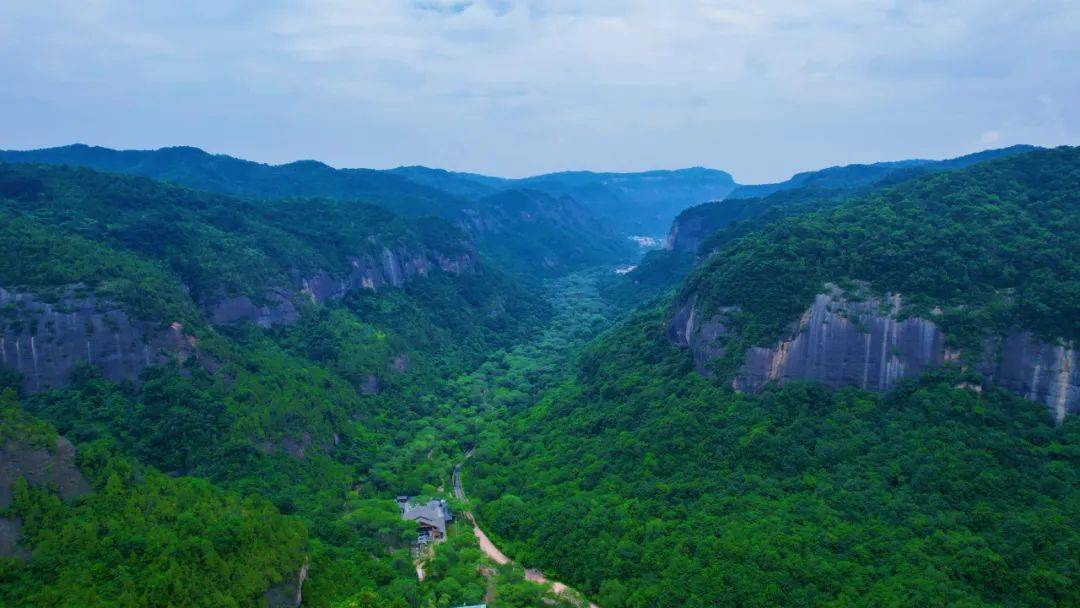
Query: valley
x=859, y=395
x=539, y=304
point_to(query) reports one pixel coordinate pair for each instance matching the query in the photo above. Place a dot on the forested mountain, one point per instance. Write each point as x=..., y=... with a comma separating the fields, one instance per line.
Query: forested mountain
x=631, y=203
x=686, y=464
x=857, y=396
x=228, y=175
x=858, y=176
x=488, y=219
x=294, y=350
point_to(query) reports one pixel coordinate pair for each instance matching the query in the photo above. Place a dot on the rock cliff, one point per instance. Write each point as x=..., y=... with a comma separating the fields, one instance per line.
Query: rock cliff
x=686, y=235
x=45, y=340
x=390, y=267
x=846, y=341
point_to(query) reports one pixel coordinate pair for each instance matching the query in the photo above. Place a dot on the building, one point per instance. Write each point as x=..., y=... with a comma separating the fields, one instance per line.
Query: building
x=431, y=517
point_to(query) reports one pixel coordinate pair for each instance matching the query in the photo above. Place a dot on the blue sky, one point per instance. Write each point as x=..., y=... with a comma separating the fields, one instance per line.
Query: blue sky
x=761, y=89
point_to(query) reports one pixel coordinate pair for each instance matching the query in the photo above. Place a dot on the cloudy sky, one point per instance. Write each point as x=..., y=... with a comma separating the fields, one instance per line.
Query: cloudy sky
x=514, y=87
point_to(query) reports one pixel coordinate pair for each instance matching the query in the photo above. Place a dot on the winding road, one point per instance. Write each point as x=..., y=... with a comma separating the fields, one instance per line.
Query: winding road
x=492, y=551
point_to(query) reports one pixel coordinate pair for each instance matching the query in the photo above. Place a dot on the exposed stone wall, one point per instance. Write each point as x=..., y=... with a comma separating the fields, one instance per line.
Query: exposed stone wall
x=390, y=267
x=1039, y=371
x=290, y=592
x=841, y=341
x=686, y=234
x=44, y=341
x=845, y=343
x=703, y=336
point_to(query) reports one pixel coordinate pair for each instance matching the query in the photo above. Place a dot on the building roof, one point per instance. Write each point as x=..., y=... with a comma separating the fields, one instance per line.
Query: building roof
x=434, y=514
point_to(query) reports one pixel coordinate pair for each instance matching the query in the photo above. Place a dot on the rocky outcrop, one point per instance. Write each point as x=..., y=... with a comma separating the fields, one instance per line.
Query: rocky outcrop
x=388, y=268
x=686, y=234
x=852, y=341
x=704, y=335
x=40, y=467
x=848, y=343
x=289, y=593
x=1039, y=371
x=44, y=341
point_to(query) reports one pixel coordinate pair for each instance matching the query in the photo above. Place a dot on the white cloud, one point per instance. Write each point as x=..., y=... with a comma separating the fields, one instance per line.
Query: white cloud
x=762, y=89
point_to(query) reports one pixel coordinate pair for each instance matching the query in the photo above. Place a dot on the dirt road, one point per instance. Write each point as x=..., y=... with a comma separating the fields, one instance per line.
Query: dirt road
x=492, y=551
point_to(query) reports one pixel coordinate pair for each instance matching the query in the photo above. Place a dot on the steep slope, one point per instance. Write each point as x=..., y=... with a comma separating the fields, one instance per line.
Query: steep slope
x=695, y=228
x=978, y=265
x=631, y=203
x=551, y=236
x=636, y=203
x=410, y=192
x=293, y=349
x=665, y=472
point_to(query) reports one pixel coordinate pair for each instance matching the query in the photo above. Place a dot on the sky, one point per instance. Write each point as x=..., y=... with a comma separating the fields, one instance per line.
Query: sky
x=517, y=87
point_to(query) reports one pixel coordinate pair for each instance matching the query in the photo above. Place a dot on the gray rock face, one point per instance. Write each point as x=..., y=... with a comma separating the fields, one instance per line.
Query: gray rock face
x=703, y=336
x=370, y=385
x=1039, y=371
x=841, y=341
x=40, y=466
x=290, y=592
x=393, y=268
x=845, y=343
x=686, y=235
x=44, y=341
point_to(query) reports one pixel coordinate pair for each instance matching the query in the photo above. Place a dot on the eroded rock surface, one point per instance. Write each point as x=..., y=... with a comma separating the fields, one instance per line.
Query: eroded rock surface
x=389, y=268
x=44, y=341
x=848, y=343
x=290, y=592
x=842, y=341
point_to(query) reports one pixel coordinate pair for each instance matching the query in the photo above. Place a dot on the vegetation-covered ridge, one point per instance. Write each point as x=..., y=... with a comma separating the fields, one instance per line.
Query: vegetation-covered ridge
x=644, y=484
x=216, y=245
x=515, y=237
x=994, y=244
x=138, y=536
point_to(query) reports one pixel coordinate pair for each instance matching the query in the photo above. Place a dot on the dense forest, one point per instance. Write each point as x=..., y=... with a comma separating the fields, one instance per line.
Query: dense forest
x=311, y=426
x=994, y=246
x=520, y=228
x=270, y=448
x=646, y=484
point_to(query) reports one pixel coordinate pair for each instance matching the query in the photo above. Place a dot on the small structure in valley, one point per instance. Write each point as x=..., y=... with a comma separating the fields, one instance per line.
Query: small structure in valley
x=432, y=518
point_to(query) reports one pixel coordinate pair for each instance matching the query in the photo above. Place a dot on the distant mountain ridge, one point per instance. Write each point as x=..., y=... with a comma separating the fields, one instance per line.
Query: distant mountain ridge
x=196, y=168
x=636, y=203
x=856, y=175
x=642, y=203
x=405, y=193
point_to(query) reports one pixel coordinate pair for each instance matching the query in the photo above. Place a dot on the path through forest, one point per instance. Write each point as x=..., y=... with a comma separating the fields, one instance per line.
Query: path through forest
x=498, y=556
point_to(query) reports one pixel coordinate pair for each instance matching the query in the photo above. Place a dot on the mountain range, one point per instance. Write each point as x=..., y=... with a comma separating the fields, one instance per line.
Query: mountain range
x=220, y=381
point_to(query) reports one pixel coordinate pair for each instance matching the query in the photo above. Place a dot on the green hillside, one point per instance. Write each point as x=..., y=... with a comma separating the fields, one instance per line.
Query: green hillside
x=645, y=484
x=512, y=240
x=323, y=419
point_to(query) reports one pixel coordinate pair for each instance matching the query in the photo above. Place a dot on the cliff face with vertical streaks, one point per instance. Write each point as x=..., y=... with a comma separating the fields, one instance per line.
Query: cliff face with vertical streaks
x=389, y=268
x=842, y=341
x=45, y=340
